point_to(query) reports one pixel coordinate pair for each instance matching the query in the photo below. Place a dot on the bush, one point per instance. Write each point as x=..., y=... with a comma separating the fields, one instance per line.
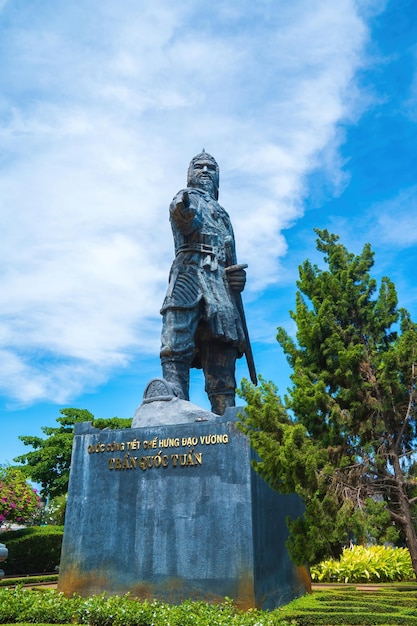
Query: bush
x=391, y=604
x=345, y=606
x=19, y=502
x=366, y=564
x=29, y=580
x=53, y=513
x=23, y=605
x=48, y=606
x=33, y=550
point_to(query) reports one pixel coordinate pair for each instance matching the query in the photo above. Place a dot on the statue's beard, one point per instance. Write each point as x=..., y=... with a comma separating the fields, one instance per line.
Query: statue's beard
x=206, y=184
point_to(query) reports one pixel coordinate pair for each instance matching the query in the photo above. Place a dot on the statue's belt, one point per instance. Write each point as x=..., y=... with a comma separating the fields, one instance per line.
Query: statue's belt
x=203, y=248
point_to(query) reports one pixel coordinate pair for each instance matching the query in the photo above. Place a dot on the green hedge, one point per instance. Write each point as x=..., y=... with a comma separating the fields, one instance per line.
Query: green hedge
x=9, y=581
x=347, y=606
x=49, y=607
x=32, y=550
x=387, y=606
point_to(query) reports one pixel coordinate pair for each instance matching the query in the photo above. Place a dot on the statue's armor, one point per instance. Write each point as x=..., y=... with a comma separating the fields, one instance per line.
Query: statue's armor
x=204, y=246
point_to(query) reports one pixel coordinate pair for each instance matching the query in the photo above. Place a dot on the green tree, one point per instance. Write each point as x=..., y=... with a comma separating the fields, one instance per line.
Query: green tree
x=53, y=513
x=348, y=447
x=48, y=464
x=19, y=502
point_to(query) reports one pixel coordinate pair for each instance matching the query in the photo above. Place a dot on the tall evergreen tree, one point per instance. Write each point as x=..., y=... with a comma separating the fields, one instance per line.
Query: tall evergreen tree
x=349, y=446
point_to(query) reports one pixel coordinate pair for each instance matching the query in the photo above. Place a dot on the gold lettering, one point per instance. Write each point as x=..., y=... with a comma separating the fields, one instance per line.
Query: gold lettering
x=214, y=439
x=150, y=444
x=114, y=446
x=189, y=441
x=198, y=458
x=169, y=443
x=98, y=447
x=133, y=445
x=189, y=458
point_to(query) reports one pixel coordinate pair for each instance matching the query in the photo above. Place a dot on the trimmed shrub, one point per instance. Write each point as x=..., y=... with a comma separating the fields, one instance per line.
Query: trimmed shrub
x=49, y=607
x=33, y=550
x=23, y=605
x=348, y=607
x=29, y=580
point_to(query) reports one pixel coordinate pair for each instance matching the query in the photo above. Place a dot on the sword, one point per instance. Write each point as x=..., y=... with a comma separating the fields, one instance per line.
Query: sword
x=239, y=305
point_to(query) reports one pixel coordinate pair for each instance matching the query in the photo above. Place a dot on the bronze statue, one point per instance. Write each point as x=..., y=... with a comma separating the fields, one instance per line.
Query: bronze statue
x=203, y=319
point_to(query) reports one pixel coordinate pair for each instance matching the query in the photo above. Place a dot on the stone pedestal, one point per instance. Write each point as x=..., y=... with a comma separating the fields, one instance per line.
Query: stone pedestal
x=174, y=512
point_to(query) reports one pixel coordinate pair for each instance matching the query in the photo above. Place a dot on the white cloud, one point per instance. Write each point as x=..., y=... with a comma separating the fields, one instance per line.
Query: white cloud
x=395, y=220
x=103, y=106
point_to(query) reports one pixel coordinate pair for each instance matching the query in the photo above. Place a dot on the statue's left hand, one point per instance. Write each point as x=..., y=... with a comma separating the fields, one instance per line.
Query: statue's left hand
x=236, y=278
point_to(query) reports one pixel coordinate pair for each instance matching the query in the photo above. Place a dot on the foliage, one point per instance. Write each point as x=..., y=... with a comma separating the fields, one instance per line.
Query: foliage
x=55, y=510
x=20, y=605
x=331, y=607
x=33, y=550
x=345, y=435
x=366, y=564
x=53, y=513
x=387, y=606
x=48, y=464
x=112, y=422
x=19, y=502
x=29, y=580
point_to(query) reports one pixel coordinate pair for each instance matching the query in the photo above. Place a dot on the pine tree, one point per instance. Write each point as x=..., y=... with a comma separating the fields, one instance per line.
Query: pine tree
x=352, y=405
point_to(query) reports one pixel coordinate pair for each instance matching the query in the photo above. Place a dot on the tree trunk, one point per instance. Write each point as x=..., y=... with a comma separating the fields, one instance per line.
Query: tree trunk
x=405, y=513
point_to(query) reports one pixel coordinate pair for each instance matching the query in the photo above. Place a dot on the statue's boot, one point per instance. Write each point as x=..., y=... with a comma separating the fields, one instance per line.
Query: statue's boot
x=220, y=402
x=177, y=374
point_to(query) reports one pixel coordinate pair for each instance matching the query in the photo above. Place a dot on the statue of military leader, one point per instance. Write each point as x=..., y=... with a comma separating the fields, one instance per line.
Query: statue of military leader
x=203, y=319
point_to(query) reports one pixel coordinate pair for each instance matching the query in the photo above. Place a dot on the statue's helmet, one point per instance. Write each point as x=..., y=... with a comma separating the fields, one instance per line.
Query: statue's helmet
x=191, y=171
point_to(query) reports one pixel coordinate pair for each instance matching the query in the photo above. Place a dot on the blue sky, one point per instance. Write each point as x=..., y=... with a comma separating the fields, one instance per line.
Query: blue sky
x=309, y=107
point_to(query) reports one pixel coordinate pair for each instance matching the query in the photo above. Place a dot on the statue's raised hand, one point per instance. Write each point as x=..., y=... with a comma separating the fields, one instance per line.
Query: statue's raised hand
x=236, y=277
x=183, y=203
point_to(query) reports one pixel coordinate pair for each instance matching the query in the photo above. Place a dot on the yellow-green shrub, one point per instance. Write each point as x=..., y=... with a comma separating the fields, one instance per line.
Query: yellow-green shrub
x=366, y=564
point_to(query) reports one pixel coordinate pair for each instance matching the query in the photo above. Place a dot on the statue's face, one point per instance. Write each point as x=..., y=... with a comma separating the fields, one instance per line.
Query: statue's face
x=204, y=175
